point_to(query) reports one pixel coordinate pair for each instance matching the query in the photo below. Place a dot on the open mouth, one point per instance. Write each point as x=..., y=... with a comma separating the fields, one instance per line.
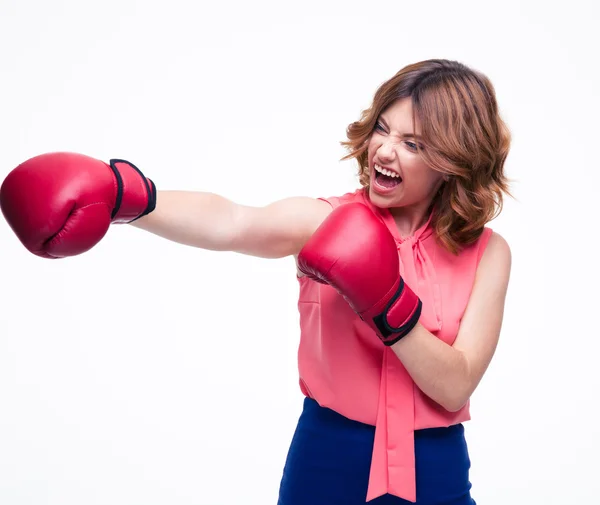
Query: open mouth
x=386, y=178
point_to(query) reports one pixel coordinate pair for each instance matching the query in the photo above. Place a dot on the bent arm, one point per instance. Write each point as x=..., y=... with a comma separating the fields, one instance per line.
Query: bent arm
x=450, y=374
x=211, y=221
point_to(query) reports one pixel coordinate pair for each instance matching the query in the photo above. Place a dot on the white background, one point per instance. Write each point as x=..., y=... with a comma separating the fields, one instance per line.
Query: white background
x=146, y=372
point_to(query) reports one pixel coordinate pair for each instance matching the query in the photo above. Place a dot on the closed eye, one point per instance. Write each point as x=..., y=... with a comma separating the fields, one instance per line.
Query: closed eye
x=379, y=127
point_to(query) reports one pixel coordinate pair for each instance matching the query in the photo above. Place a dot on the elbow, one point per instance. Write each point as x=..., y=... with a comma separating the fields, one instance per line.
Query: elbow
x=454, y=404
x=458, y=391
x=455, y=399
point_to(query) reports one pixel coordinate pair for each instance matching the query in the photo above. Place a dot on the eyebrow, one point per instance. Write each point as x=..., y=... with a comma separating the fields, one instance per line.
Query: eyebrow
x=403, y=135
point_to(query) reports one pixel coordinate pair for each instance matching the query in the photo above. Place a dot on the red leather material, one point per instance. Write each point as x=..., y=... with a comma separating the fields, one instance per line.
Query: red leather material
x=354, y=252
x=62, y=204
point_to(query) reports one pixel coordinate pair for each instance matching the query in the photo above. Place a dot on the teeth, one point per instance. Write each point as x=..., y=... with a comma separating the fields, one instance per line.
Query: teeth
x=385, y=171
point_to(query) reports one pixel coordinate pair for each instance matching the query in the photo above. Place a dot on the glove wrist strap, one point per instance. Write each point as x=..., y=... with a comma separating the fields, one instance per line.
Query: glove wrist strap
x=136, y=195
x=400, y=315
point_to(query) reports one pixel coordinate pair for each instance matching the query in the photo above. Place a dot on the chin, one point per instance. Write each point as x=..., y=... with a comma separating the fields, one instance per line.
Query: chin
x=384, y=201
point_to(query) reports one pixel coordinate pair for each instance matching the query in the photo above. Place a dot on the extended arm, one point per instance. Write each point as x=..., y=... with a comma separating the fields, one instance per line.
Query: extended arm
x=211, y=221
x=62, y=204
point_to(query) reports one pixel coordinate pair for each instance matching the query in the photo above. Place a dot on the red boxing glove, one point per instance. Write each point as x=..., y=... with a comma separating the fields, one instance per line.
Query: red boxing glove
x=354, y=252
x=62, y=204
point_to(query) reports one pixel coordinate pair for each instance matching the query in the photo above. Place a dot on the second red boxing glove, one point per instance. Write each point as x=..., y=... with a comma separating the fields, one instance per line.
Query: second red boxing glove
x=62, y=204
x=354, y=252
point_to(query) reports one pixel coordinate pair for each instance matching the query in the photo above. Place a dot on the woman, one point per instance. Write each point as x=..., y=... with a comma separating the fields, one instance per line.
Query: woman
x=402, y=284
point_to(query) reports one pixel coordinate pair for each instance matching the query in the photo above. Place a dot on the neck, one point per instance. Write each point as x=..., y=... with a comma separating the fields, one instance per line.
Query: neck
x=409, y=219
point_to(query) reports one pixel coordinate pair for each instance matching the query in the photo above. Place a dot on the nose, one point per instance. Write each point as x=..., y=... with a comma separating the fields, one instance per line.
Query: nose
x=387, y=151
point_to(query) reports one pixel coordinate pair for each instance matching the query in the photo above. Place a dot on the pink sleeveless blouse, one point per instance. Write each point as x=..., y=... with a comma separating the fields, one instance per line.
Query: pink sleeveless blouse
x=345, y=367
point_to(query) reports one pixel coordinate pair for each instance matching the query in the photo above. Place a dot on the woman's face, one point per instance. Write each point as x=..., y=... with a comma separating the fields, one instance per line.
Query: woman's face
x=398, y=175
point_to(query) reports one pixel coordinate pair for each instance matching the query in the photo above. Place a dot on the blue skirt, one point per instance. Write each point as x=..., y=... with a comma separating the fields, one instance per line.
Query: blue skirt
x=329, y=460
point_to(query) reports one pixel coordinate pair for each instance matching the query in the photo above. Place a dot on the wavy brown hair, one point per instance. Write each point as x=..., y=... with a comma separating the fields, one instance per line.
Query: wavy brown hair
x=463, y=136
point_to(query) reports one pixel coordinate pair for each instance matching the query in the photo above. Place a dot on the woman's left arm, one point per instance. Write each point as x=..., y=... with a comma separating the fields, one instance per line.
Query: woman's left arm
x=450, y=374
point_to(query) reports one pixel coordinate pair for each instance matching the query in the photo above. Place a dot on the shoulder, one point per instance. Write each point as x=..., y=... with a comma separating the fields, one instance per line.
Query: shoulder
x=358, y=195
x=496, y=260
x=497, y=247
